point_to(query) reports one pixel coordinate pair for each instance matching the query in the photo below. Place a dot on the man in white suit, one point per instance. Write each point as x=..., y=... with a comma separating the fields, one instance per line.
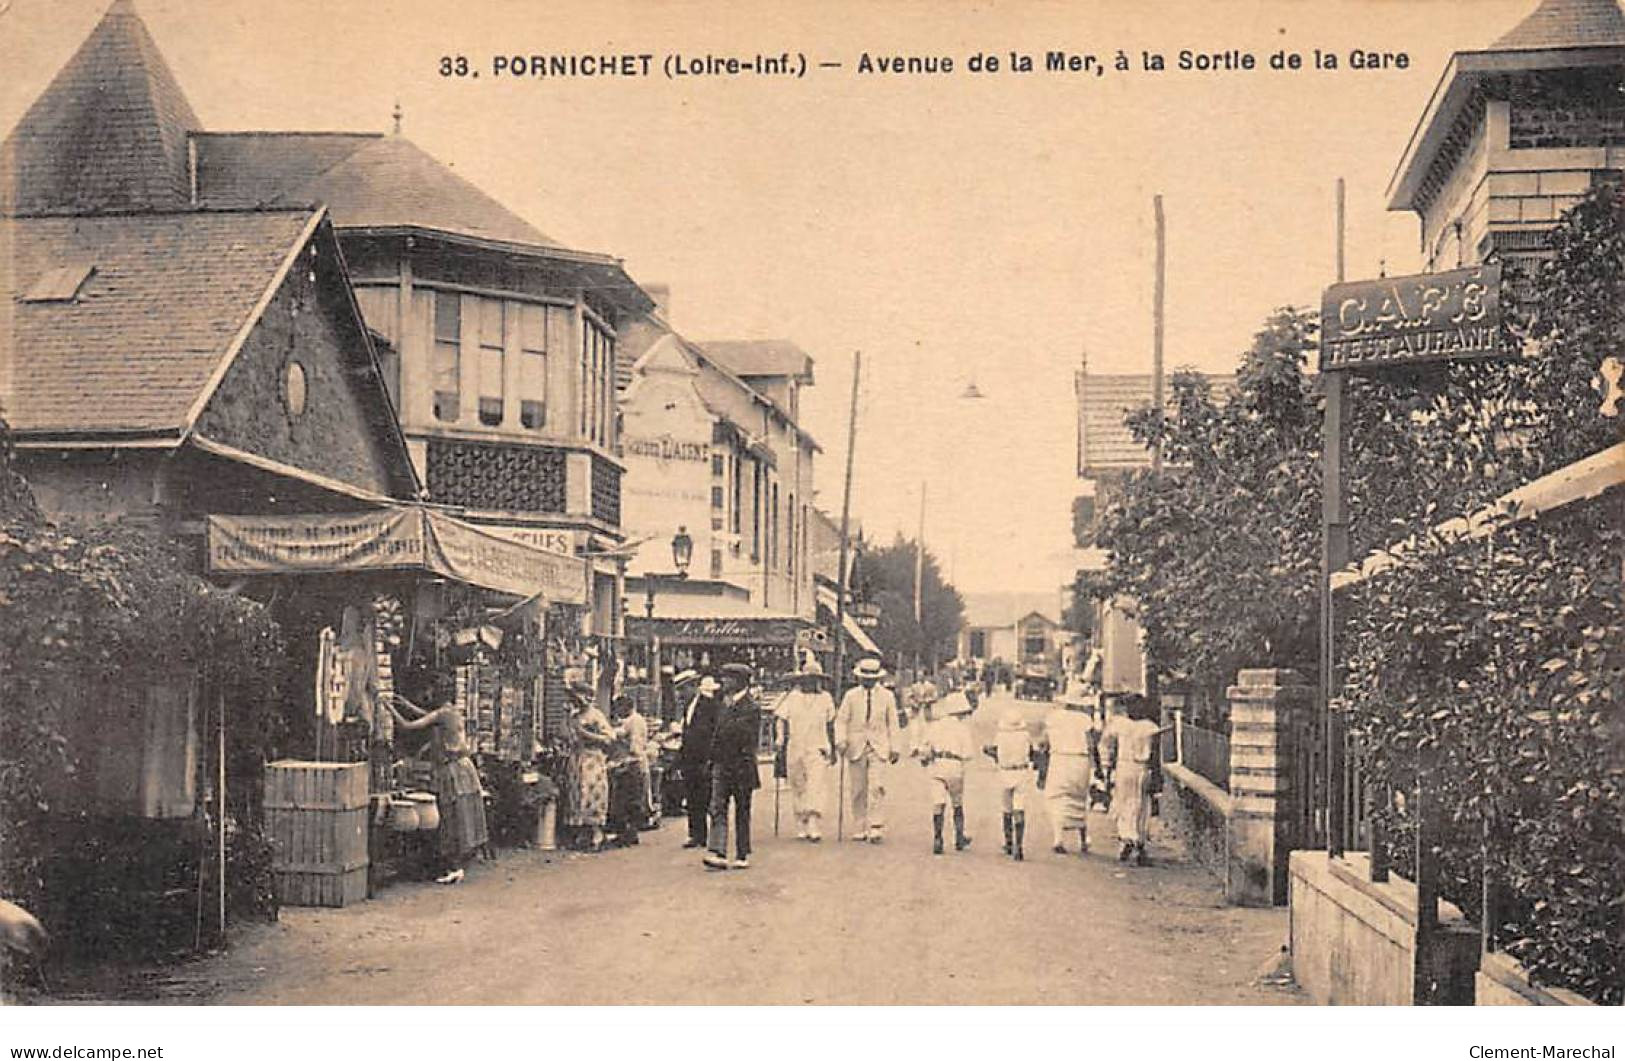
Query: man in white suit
x=866, y=737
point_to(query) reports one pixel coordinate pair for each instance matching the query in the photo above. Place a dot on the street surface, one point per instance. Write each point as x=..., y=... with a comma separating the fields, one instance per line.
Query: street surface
x=834, y=923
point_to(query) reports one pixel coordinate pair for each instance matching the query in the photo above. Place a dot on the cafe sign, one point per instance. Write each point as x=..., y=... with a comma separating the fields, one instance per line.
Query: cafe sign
x=1410, y=320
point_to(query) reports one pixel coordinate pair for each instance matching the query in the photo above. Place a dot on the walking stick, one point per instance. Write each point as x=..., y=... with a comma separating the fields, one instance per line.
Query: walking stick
x=840, y=802
x=775, y=803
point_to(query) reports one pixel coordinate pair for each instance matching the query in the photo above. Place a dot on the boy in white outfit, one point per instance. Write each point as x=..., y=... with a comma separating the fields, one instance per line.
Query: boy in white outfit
x=945, y=747
x=1012, y=750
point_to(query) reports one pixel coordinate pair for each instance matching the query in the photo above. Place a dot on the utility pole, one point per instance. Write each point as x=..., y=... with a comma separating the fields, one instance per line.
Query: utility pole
x=919, y=573
x=841, y=573
x=1334, y=555
x=1153, y=686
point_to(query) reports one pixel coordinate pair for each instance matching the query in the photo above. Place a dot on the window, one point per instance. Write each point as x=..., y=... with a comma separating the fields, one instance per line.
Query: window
x=716, y=497
x=61, y=284
x=719, y=466
x=978, y=644
x=735, y=518
x=597, y=383
x=446, y=367
x=716, y=563
x=1034, y=644
x=533, y=366
x=716, y=523
x=790, y=551
x=493, y=342
x=773, y=529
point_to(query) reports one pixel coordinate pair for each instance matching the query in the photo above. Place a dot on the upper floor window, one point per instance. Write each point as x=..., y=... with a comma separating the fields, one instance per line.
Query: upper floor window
x=533, y=346
x=493, y=350
x=445, y=365
x=597, y=383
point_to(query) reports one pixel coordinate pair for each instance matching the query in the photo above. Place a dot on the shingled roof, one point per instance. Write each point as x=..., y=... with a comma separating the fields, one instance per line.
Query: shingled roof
x=109, y=133
x=365, y=180
x=1104, y=442
x=750, y=358
x=166, y=298
x=1567, y=24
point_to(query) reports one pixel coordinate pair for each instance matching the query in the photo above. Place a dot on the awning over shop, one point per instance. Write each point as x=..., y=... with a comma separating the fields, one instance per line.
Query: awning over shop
x=402, y=538
x=859, y=636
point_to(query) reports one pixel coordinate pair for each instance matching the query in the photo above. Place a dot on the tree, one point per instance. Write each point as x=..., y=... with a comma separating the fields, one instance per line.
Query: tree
x=1219, y=553
x=886, y=575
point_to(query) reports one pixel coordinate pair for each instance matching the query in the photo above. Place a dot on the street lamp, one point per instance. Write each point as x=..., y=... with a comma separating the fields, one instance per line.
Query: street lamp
x=682, y=554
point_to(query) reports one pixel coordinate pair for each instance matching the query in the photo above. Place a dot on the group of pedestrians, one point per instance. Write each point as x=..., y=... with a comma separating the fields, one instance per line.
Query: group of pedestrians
x=1100, y=758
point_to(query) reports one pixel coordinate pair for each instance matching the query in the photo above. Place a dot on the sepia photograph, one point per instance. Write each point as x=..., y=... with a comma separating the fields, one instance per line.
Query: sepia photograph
x=899, y=504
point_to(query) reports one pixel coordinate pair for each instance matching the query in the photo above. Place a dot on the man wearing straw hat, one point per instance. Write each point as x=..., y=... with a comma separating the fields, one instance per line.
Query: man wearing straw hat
x=804, y=717
x=866, y=739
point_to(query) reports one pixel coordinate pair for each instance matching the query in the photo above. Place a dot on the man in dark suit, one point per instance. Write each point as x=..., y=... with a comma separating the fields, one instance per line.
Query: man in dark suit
x=734, y=774
x=694, y=757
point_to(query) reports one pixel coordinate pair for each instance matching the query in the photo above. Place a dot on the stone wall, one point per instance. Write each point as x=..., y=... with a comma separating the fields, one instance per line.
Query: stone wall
x=1503, y=982
x=1199, y=811
x=1354, y=942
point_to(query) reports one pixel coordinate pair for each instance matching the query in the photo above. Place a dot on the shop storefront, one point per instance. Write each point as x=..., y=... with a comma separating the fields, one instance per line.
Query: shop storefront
x=411, y=606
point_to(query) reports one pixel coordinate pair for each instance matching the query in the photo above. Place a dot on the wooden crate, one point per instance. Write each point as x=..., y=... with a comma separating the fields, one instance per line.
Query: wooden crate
x=316, y=814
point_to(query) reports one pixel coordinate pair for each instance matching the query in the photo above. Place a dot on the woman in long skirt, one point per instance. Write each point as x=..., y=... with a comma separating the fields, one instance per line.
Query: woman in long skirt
x=589, y=767
x=458, y=795
x=1130, y=742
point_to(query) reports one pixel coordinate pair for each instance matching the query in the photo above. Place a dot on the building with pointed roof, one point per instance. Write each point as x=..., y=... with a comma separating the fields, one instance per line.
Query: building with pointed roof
x=713, y=445
x=216, y=359
x=1515, y=134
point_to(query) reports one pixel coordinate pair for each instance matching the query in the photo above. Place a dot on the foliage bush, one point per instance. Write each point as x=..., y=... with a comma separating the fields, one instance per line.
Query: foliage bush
x=1492, y=672
x=1494, y=664
x=1219, y=553
x=111, y=605
x=884, y=576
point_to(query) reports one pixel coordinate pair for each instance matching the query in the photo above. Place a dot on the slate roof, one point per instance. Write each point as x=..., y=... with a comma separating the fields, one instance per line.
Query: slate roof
x=748, y=358
x=1104, y=443
x=1567, y=24
x=109, y=133
x=167, y=297
x=365, y=180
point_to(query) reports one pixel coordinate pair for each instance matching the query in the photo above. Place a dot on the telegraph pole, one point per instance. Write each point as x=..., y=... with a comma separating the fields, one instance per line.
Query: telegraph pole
x=1334, y=556
x=846, y=518
x=1153, y=685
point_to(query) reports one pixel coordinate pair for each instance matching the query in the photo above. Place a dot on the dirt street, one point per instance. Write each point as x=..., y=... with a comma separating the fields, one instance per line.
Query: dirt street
x=840, y=923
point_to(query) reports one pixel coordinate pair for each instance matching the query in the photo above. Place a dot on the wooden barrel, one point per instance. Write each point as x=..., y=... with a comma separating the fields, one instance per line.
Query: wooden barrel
x=316, y=815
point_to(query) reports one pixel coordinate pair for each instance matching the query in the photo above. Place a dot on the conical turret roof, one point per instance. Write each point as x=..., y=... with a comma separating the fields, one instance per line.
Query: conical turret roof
x=109, y=133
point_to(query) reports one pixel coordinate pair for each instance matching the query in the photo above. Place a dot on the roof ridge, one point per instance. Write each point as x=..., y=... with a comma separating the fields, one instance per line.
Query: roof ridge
x=1566, y=24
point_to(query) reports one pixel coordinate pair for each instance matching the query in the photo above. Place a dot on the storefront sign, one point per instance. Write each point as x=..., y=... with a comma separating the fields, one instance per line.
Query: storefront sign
x=471, y=554
x=1408, y=320
x=553, y=539
x=393, y=539
x=716, y=631
x=666, y=448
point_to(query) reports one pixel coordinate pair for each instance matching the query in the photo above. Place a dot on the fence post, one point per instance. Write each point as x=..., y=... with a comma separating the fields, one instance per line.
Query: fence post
x=1427, y=807
x=1179, y=736
x=1336, y=812
x=1266, y=707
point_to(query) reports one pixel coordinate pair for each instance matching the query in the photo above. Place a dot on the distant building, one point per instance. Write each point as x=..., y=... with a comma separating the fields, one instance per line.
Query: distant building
x=1514, y=135
x=1015, y=628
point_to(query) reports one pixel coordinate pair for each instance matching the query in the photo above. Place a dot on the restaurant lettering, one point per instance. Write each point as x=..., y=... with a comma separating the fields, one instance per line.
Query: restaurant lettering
x=1370, y=324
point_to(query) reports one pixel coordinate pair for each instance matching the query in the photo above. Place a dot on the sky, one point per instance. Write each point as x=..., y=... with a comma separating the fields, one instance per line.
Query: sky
x=993, y=227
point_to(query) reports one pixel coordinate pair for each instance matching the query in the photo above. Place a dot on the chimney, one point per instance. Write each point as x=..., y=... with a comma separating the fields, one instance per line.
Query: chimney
x=661, y=294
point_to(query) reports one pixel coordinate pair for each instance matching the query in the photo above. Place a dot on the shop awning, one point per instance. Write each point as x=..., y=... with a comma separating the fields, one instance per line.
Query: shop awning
x=859, y=636
x=399, y=539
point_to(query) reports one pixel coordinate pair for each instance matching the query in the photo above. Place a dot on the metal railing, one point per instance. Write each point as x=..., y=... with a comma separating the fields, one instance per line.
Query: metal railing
x=1202, y=751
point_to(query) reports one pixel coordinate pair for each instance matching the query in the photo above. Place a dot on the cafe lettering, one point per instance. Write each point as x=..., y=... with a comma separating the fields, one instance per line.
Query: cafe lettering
x=1407, y=320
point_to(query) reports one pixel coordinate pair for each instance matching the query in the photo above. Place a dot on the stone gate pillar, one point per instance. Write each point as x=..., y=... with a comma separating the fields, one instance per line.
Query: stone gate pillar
x=1266, y=708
